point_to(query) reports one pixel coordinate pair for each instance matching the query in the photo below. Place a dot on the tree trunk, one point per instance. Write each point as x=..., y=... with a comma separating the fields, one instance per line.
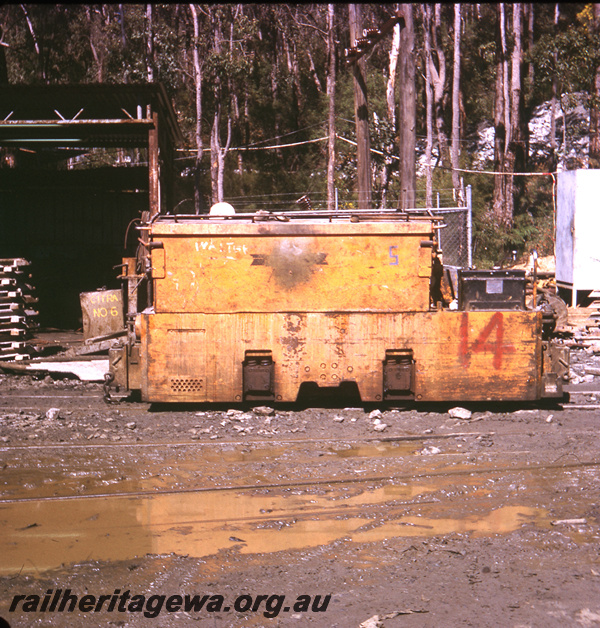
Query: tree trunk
x=553, y=147
x=438, y=78
x=214, y=155
x=509, y=144
x=149, y=44
x=95, y=42
x=429, y=106
x=529, y=69
x=516, y=146
x=528, y=78
x=36, y=44
x=198, y=94
x=390, y=92
x=331, y=99
x=3, y=65
x=456, y=103
x=275, y=96
x=594, y=151
x=361, y=114
x=218, y=152
x=291, y=55
x=122, y=26
x=501, y=129
x=246, y=127
x=407, y=109
x=390, y=96
x=313, y=73
x=215, y=133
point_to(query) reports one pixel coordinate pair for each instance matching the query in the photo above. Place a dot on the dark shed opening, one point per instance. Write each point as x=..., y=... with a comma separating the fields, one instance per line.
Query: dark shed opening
x=78, y=163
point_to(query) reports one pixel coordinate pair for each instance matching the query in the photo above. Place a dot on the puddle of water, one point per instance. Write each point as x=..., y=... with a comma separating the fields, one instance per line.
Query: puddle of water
x=43, y=535
x=100, y=471
x=245, y=455
x=500, y=521
x=379, y=450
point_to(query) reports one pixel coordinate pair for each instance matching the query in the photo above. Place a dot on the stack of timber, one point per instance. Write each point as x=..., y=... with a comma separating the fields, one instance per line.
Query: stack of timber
x=17, y=316
x=594, y=295
x=585, y=319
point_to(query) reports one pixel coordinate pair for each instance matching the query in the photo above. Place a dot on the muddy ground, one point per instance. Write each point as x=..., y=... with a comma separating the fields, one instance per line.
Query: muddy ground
x=403, y=516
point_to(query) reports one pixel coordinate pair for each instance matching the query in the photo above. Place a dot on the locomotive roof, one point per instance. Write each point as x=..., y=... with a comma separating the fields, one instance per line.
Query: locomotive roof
x=316, y=216
x=300, y=223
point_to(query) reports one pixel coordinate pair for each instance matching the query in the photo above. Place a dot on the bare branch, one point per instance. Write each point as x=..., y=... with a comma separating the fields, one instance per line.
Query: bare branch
x=30, y=26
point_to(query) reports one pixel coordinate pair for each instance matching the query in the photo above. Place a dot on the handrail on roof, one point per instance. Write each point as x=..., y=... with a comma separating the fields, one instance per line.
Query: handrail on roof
x=262, y=215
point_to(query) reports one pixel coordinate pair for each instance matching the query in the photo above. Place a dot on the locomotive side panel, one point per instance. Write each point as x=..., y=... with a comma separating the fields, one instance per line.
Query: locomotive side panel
x=481, y=356
x=455, y=356
x=300, y=268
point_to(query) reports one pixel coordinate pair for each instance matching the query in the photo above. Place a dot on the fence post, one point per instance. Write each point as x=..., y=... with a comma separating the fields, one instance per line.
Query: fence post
x=469, y=227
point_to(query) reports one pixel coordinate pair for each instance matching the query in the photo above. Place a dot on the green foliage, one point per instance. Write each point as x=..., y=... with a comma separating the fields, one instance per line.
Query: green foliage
x=478, y=65
x=266, y=66
x=533, y=227
x=577, y=53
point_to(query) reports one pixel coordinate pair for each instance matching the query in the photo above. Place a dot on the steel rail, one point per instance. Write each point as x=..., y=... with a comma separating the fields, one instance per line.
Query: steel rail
x=245, y=443
x=312, y=482
x=275, y=442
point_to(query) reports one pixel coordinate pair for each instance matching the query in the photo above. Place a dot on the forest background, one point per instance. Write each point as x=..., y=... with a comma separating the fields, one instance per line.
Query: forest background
x=265, y=97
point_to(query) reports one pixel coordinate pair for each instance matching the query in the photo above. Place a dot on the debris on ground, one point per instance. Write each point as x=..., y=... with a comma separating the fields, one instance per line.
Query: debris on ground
x=460, y=413
x=53, y=413
x=263, y=411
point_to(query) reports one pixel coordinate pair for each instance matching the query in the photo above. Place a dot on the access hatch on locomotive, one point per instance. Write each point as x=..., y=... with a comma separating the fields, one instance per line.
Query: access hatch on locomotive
x=258, y=306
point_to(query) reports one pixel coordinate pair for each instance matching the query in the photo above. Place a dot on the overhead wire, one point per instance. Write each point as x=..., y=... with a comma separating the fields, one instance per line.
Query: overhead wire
x=255, y=147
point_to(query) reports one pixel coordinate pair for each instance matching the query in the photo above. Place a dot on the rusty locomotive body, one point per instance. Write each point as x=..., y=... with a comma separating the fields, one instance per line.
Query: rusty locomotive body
x=254, y=307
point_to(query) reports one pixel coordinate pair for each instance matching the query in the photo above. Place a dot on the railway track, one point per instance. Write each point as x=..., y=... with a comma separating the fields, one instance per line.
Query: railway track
x=99, y=462
x=64, y=502
x=412, y=496
x=161, y=458
x=98, y=396
x=305, y=482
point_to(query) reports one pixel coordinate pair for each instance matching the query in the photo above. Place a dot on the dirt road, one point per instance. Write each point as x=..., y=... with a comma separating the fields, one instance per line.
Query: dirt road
x=358, y=516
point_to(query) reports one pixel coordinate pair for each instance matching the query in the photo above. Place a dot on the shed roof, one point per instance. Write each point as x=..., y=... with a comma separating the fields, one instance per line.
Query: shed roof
x=90, y=115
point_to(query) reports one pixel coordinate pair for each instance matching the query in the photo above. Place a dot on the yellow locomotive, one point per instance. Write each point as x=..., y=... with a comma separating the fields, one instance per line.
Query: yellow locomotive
x=257, y=306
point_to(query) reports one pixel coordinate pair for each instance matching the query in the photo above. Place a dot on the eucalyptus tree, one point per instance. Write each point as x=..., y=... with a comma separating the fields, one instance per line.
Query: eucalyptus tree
x=508, y=143
x=455, y=149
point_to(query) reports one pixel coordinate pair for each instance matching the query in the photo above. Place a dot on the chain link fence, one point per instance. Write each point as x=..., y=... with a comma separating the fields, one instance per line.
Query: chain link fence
x=454, y=238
